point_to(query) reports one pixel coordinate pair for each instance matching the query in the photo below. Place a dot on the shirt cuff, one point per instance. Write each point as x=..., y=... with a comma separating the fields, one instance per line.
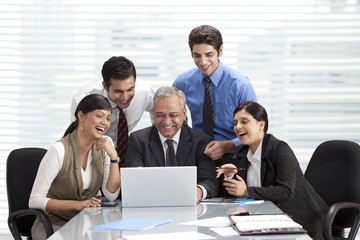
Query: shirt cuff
x=109, y=195
x=225, y=177
x=204, y=191
x=237, y=142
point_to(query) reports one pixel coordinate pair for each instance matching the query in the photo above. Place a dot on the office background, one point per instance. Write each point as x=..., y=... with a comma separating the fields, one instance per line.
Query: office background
x=302, y=57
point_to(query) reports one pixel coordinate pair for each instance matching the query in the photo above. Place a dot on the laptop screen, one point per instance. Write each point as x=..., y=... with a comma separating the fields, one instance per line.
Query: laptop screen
x=158, y=186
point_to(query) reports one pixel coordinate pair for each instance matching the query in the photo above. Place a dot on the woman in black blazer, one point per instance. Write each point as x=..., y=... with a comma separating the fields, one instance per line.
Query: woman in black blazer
x=270, y=171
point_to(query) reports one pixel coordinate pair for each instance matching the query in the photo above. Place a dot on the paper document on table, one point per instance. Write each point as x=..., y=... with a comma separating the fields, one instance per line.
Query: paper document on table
x=173, y=236
x=225, y=231
x=210, y=222
x=131, y=224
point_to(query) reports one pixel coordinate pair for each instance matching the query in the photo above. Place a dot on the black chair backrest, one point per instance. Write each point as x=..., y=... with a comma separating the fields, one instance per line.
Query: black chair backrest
x=334, y=173
x=21, y=168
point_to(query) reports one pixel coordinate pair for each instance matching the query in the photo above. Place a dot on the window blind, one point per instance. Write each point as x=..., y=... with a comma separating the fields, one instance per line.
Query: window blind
x=302, y=57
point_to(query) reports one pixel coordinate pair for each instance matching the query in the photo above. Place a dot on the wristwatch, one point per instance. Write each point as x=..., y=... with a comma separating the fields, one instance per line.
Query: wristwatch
x=117, y=160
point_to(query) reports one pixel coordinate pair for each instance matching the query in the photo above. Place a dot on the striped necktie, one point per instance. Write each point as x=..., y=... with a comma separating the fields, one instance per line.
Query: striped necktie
x=170, y=153
x=122, y=137
x=208, y=118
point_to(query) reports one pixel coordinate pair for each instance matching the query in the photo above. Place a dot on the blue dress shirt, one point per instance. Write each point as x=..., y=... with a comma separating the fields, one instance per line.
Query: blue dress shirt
x=228, y=89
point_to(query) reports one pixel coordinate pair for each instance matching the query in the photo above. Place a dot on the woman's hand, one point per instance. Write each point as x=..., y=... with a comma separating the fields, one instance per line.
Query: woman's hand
x=106, y=144
x=236, y=187
x=228, y=170
x=93, y=202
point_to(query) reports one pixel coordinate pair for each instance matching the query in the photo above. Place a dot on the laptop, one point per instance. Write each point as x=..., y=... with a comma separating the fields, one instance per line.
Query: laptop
x=158, y=186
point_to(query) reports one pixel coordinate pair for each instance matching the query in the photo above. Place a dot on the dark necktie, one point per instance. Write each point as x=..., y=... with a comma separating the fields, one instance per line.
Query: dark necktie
x=208, y=117
x=122, y=138
x=170, y=153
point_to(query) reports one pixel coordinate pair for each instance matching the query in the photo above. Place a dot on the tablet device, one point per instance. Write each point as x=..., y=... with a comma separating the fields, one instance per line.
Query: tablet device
x=158, y=186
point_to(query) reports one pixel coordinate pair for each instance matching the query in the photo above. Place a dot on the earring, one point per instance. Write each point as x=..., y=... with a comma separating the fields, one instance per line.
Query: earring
x=82, y=127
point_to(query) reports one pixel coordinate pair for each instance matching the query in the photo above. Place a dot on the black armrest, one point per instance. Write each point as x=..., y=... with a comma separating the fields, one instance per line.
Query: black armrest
x=334, y=209
x=29, y=212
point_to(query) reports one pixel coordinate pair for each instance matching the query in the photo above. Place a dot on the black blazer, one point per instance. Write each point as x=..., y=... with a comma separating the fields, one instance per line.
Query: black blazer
x=145, y=149
x=284, y=184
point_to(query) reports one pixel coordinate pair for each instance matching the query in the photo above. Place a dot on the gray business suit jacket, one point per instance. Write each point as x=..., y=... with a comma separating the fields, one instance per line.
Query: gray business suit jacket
x=145, y=149
x=284, y=184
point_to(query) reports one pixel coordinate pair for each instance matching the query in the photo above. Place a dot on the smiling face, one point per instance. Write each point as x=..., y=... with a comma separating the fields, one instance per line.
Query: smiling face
x=168, y=115
x=121, y=92
x=206, y=58
x=249, y=130
x=95, y=123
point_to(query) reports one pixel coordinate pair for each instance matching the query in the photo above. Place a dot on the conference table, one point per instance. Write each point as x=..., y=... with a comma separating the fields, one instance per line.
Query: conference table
x=203, y=221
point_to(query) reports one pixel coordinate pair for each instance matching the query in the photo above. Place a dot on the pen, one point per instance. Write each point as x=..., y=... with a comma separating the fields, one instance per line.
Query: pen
x=226, y=168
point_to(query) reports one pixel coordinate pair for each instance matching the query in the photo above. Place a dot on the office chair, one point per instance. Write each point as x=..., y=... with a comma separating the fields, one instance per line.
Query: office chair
x=21, y=168
x=334, y=173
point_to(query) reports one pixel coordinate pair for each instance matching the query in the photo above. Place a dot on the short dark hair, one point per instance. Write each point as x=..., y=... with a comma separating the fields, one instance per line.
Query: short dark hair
x=205, y=34
x=88, y=104
x=118, y=68
x=256, y=111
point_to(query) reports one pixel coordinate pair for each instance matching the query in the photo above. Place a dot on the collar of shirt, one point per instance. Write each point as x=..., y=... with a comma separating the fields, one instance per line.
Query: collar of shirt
x=256, y=157
x=253, y=178
x=216, y=75
x=116, y=110
x=175, y=138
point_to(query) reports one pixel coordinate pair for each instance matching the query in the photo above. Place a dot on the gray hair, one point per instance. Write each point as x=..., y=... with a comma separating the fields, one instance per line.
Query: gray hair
x=164, y=92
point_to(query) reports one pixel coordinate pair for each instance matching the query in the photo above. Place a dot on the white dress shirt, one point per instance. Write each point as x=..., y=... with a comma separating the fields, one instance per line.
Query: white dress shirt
x=49, y=168
x=254, y=171
x=175, y=142
x=142, y=101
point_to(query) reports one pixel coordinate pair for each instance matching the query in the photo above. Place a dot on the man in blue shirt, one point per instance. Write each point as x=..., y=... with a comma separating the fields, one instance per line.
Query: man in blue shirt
x=228, y=88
